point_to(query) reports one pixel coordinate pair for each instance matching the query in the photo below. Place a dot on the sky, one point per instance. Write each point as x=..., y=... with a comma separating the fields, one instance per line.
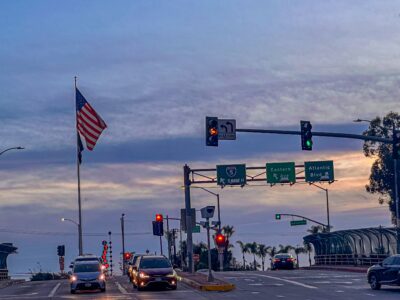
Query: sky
x=153, y=70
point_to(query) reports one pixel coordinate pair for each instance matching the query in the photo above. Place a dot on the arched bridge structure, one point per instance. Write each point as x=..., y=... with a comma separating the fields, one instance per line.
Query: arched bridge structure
x=5, y=250
x=364, y=247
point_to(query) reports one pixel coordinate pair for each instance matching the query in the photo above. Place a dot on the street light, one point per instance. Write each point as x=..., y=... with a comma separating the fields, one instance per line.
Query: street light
x=72, y=221
x=12, y=148
x=327, y=203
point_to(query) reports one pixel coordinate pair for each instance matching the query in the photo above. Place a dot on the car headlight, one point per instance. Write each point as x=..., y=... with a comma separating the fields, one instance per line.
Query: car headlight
x=172, y=275
x=143, y=275
x=74, y=278
x=102, y=277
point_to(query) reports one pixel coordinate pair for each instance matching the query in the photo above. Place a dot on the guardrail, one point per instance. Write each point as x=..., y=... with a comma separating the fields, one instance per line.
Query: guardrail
x=4, y=274
x=349, y=259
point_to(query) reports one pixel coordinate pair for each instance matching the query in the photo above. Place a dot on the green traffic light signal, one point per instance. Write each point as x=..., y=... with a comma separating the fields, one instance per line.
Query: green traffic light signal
x=309, y=143
x=277, y=216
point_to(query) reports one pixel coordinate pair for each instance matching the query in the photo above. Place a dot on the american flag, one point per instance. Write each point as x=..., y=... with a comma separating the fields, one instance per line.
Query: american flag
x=89, y=124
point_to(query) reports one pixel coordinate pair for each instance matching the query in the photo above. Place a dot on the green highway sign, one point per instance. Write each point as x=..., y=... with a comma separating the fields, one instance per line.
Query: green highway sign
x=319, y=171
x=196, y=229
x=298, y=222
x=281, y=172
x=231, y=174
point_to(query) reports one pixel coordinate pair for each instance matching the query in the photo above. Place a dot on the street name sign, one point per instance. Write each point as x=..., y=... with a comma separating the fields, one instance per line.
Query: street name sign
x=226, y=129
x=231, y=174
x=196, y=229
x=298, y=222
x=281, y=172
x=319, y=171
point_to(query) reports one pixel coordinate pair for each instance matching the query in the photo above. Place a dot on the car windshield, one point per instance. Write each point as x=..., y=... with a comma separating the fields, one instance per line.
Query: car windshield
x=87, y=259
x=282, y=256
x=84, y=268
x=154, y=263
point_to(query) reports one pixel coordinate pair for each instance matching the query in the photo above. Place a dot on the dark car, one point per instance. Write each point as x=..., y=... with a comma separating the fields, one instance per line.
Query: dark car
x=132, y=263
x=153, y=271
x=386, y=272
x=283, y=261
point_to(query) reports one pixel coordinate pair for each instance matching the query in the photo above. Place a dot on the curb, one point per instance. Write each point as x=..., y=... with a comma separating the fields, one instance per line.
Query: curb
x=353, y=270
x=208, y=287
x=7, y=283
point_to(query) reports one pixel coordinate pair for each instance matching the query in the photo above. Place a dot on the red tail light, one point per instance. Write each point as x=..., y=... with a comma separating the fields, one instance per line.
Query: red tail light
x=291, y=259
x=277, y=260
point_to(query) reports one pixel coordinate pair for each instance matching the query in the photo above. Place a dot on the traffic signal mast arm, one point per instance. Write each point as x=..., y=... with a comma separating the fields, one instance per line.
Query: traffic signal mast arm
x=311, y=220
x=327, y=134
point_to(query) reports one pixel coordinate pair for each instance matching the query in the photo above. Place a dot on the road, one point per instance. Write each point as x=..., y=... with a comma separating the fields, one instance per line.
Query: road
x=298, y=284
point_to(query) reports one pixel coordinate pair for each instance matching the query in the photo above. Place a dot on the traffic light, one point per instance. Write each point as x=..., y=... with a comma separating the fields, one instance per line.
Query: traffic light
x=158, y=228
x=212, y=131
x=159, y=218
x=61, y=250
x=220, y=240
x=396, y=144
x=127, y=255
x=278, y=216
x=306, y=135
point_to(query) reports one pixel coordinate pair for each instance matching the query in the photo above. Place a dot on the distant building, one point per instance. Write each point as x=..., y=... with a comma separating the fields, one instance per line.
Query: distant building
x=5, y=250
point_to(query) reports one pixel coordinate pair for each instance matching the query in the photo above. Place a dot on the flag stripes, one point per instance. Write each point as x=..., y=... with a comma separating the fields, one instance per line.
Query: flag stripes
x=89, y=124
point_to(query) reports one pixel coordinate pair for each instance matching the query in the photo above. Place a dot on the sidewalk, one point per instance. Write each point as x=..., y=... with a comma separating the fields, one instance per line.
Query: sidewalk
x=6, y=283
x=199, y=281
x=355, y=269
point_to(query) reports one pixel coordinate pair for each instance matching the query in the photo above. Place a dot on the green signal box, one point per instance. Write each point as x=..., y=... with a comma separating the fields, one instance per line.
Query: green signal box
x=278, y=216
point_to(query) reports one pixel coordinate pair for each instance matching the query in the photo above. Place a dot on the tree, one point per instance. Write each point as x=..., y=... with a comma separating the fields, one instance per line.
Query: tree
x=228, y=231
x=285, y=249
x=253, y=250
x=314, y=229
x=297, y=251
x=272, y=251
x=308, y=247
x=244, y=249
x=262, y=252
x=381, y=179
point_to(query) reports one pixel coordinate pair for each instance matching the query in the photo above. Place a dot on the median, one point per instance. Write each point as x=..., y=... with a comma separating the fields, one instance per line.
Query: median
x=199, y=281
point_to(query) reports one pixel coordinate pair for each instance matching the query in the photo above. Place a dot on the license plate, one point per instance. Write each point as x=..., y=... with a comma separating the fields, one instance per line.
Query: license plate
x=88, y=284
x=158, y=279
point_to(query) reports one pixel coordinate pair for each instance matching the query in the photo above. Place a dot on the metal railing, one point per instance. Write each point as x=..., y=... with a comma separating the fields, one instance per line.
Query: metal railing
x=349, y=259
x=4, y=274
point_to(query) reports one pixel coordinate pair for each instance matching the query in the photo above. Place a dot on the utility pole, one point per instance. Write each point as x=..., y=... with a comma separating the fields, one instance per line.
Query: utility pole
x=123, y=243
x=168, y=240
x=189, y=229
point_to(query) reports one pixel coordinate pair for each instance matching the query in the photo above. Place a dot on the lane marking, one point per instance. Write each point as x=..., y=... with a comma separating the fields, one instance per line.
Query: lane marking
x=288, y=281
x=54, y=290
x=121, y=288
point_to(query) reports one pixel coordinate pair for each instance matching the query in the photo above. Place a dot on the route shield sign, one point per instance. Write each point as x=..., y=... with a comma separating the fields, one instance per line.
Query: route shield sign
x=226, y=129
x=319, y=171
x=281, y=172
x=231, y=174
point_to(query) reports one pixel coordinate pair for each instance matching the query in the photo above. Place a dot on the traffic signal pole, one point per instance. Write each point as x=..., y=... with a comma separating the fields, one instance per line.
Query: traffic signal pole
x=298, y=216
x=189, y=230
x=123, y=244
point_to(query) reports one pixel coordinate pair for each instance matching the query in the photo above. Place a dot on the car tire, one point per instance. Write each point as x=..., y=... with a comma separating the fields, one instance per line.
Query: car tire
x=174, y=287
x=73, y=291
x=139, y=288
x=103, y=290
x=374, y=283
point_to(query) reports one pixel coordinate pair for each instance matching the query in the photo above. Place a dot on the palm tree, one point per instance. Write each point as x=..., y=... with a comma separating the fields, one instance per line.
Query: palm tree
x=228, y=231
x=308, y=247
x=244, y=249
x=298, y=250
x=253, y=250
x=262, y=252
x=285, y=249
x=272, y=251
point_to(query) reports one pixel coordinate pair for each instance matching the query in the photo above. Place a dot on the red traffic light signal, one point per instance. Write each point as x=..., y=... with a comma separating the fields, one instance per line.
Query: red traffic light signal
x=220, y=240
x=127, y=255
x=159, y=217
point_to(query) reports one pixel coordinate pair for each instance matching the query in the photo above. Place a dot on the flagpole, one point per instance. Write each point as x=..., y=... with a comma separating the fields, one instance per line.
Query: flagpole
x=79, y=180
